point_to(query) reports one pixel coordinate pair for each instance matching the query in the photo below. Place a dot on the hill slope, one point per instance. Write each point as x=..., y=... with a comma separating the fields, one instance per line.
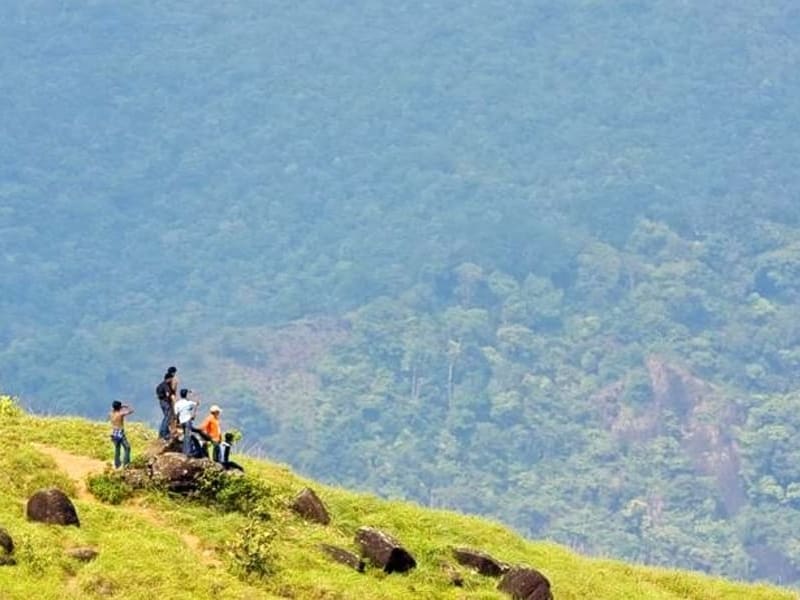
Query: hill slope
x=174, y=547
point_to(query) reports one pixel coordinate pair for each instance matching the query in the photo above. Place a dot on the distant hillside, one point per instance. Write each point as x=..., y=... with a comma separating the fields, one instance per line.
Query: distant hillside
x=170, y=546
x=534, y=261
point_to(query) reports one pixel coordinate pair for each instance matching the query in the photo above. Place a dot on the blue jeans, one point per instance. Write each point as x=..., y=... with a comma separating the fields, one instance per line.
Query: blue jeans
x=121, y=442
x=166, y=408
x=187, y=437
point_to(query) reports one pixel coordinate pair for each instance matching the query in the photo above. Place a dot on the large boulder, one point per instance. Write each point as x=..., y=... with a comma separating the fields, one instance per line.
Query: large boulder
x=480, y=561
x=384, y=551
x=52, y=506
x=524, y=583
x=179, y=473
x=308, y=505
x=6, y=543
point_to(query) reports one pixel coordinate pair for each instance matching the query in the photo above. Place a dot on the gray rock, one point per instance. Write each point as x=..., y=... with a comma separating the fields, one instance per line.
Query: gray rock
x=384, y=551
x=480, y=561
x=343, y=556
x=308, y=505
x=52, y=506
x=6, y=543
x=84, y=554
x=524, y=583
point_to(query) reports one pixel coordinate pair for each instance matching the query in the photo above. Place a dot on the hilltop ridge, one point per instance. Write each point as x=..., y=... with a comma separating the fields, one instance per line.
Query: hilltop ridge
x=142, y=539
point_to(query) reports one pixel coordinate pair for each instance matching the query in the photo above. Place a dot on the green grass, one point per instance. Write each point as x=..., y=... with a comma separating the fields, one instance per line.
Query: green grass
x=144, y=552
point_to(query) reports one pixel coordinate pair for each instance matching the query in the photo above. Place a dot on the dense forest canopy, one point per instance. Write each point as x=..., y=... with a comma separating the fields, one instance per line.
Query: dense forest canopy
x=532, y=260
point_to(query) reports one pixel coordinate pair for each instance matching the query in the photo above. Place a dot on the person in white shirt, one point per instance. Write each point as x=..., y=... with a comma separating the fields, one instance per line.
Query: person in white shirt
x=185, y=410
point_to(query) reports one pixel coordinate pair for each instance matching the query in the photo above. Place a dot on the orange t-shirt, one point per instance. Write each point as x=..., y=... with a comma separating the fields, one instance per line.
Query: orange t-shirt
x=211, y=428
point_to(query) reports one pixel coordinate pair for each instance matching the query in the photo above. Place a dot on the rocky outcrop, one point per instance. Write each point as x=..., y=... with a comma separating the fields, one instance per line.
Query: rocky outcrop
x=480, y=561
x=384, y=551
x=52, y=506
x=343, y=556
x=524, y=583
x=160, y=446
x=179, y=473
x=308, y=505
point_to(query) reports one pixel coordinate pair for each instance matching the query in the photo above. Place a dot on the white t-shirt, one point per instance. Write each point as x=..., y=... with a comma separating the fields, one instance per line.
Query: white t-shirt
x=185, y=410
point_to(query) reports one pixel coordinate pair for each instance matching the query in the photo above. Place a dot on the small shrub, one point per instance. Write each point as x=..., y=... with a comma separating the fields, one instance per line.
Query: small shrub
x=251, y=551
x=230, y=493
x=110, y=487
x=9, y=407
x=30, y=555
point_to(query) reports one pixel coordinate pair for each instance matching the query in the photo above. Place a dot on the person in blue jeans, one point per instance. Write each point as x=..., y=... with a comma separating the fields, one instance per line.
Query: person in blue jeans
x=117, y=417
x=186, y=409
x=165, y=392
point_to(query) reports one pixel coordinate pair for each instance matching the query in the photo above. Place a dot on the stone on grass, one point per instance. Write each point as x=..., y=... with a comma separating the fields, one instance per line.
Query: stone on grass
x=343, y=556
x=6, y=543
x=524, y=583
x=384, y=551
x=480, y=561
x=84, y=554
x=308, y=505
x=52, y=506
x=7, y=561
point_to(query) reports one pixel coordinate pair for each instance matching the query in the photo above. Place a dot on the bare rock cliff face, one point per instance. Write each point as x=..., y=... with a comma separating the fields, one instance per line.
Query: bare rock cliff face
x=706, y=416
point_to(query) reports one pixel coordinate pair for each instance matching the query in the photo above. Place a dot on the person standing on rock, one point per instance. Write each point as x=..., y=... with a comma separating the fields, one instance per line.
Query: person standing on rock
x=117, y=417
x=210, y=426
x=174, y=385
x=165, y=393
x=186, y=410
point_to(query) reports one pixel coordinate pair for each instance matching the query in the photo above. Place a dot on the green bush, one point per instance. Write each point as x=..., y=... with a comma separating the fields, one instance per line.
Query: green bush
x=234, y=492
x=9, y=407
x=110, y=487
x=251, y=551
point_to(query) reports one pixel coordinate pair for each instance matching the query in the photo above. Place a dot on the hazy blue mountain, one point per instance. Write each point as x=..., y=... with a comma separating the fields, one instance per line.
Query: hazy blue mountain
x=536, y=260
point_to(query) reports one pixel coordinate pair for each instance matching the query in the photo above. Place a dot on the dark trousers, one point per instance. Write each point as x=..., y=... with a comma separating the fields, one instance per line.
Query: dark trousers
x=187, y=437
x=166, y=408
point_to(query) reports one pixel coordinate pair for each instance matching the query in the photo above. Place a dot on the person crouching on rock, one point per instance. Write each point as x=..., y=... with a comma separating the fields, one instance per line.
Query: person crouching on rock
x=117, y=417
x=185, y=409
x=225, y=454
x=211, y=428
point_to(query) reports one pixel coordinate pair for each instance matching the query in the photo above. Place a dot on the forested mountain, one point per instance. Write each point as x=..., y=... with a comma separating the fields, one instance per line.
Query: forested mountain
x=531, y=260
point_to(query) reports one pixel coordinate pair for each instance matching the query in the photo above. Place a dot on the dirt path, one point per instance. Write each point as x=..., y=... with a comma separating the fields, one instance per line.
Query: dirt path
x=78, y=468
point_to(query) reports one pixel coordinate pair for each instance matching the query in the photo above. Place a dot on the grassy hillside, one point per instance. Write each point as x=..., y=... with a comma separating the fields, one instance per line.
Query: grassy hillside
x=172, y=547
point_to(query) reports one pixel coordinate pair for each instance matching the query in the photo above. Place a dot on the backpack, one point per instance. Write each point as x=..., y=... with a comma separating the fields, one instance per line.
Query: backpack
x=163, y=390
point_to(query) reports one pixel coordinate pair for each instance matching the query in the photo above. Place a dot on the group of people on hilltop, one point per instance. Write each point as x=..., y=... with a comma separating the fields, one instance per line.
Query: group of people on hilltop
x=179, y=409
